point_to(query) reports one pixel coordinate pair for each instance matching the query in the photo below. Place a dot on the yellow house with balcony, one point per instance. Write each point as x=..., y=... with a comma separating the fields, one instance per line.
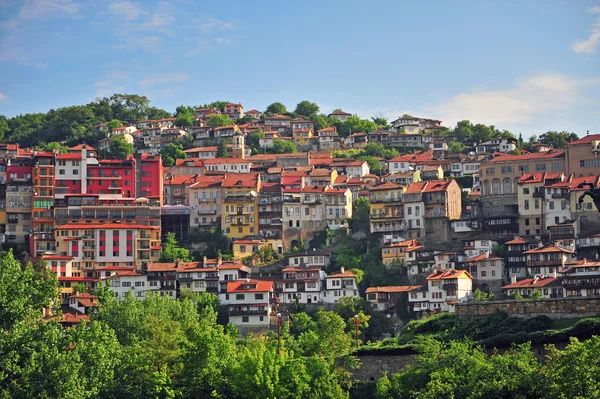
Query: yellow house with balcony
x=302, y=138
x=387, y=209
x=239, y=204
x=396, y=251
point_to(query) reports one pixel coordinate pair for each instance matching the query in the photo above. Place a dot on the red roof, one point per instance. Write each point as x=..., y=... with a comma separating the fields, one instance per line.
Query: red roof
x=256, y=286
x=548, y=249
x=415, y=188
x=387, y=186
x=448, y=275
x=218, y=161
x=85, y=226
x=82, y=146
x=585, y=140
x=437, y=185
x=252, y=111
x=207, y=181
x=162, y=267
x=536, y=155
x=66, y=157
x=241, y=180
x=534, y=282
x=393, y=288
x=346, y=273
x=340, y=113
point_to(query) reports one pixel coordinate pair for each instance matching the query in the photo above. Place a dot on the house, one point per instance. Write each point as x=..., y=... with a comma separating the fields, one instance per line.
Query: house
x=581, y=278
x=301, y=123
x=350, y=167
x=507, y=145
x=327, y=139
x=234, y=111
x=126, y=281
x=548, y=287
x=229, y=165
x=204, y=196
x=281, y=123
x=543, y=261
x=488, y=272
x=339, y=285
x=340, y=115
x=385, y=298
x=246, y=246
x=162, y=278
x=249, y=302
x=474, y=247
x=356, y=140
x=302, y=284
x=582, y=156
x=206, y=113
x=302, y=138
x=338, y=207
x=516, y=247
x=239, y=204
x=447, y=288
x=396, y=251
x=387, y=208
x=254, y=114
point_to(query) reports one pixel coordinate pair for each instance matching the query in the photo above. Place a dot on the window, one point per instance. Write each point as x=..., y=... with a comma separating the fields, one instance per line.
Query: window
x=245, y=319
x=240, y=297
x=540, y=167
x=259, y=296
x=551, y=204
x=525, y=191
x=526, y=204
x=496, y=186
x=537, y=204
x=556, y=166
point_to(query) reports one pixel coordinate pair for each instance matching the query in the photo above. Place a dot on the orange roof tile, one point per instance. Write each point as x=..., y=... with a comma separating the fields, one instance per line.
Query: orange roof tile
x=536, y=155
x=257, y=286
x=437, y=185
x=218, y=161
x=448, y=275
x=534, y=282
x=241, y=180
x=346, y=273
x=549, y=248
x=392, y=289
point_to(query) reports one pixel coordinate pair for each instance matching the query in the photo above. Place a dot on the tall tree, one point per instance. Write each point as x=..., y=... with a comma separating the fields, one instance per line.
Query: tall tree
x=185, y=119
x=114, y=124
x=222, y=149
x=276, y=108
x=282, y=147
x=557, y=139
x=119, y=147
x=171, y=153
x=172, y=251
x=219, y=120
x=306, y=108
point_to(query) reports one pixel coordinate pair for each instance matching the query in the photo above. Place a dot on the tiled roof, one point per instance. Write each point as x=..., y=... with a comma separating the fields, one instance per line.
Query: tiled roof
x=259, y=286
x=207, y=181
x=552, y=154
x=386, y=186
x=86, y=226
x=252, y=111
x=220, y=161
x=83, y=146
x=586, y=139
x=521, y=240
x=340, y=113
x=417, y=187
x=346, y=273
x=448, y=275
x=437, y=185
x=392, y=289
x=534, y=282
x=548, y=249
x=162, y=267
x=241, y=180
x=177, y=180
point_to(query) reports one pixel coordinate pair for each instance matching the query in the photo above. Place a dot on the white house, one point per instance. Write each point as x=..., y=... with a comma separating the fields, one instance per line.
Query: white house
x=128, y=281
x=476, y=247
x=235, y=165
x=447, y=288
x=339, y=285
x=249, y=302
x=549, y=287
x=302, y=284
x=496, y=145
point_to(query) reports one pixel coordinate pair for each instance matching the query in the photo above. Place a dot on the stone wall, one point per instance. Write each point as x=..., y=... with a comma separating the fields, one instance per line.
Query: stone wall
x=373, y=367
x=560, y=308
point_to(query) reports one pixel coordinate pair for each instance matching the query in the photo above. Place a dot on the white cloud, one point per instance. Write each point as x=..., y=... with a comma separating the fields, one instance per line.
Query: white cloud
x=209, y=23
x=3, y=98
x=149, y=43
x=163, y=79
x=225, y=41
x=589, y=45
x=161, y=19
x=127, y=10
x=518, y=104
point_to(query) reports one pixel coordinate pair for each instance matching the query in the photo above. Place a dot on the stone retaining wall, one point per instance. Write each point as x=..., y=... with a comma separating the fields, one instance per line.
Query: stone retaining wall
x=559, y=308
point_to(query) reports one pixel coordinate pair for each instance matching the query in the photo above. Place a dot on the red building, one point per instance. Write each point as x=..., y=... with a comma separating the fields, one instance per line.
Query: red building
x=112, y=177
x=149, y=178
x=42, y=218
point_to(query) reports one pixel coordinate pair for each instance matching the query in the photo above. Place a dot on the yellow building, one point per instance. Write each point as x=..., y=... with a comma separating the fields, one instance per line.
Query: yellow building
x=387, y=209
x=244, y=247
x=239, y=204
x=205, y=201
x=302, y=138
x=397, y=251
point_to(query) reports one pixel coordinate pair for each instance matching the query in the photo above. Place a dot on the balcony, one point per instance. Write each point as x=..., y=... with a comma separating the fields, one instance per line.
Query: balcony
x=431, y=213
x=538, y=194
x=536, y=263
x=291, y=199
x=561, y=195
x=206, y=212
x=450, y=286
x=451, y=298
x=248, y=313
x=388, y=229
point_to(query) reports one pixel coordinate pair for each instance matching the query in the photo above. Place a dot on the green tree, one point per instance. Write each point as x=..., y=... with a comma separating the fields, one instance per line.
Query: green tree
x=114, y=124
x=321, y=121
x=171, y=153
x=306, y=108
x=79, y=288
x=276, y=108
x=374, y=164
x=354, y=124
x=456, y=147
x=220, y=105
x=222, y=149
x=185, y=119
x=557, y=139
x=119, y=148
x=282, y=147
x=219, y=120
x=54, y=146
x=361, y=215
x=464, y=131
x=184, y=110
x=381, y=121
x=172, y=252
x=157, y=113
x=480, y=296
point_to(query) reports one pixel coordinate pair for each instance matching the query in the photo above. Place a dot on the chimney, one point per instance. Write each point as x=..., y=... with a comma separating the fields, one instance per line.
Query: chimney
x=177, y=264
x=554, y=273
x=342, y=269
x=204, y=259
x=513, y=279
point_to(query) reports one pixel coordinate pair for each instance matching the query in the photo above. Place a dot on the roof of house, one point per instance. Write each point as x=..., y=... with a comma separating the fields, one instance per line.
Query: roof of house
x=417, y=187
x=551, y=154
x=80, y=147
x=257, y=286
x=482, y=257
x=437, y=185
x=534, y=283
x=392, y=289
x=407, y=243
x=340, y=113
x=207, y=181
x=241, y=180
x=549, y=248
x=522, y=240
x=586, y=139
x=346, y=273
x=86, y=226
x=220, y=161
x=449, y=274
x=387, y=186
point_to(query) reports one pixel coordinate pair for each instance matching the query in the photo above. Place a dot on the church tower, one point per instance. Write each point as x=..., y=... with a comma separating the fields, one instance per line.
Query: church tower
x=239, y=147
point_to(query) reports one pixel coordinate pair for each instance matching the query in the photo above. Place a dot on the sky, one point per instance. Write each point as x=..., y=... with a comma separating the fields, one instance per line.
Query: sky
x=526, y=66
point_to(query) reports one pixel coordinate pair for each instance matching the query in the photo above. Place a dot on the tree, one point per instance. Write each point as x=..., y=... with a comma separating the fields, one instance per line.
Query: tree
x=321, y=121
x=354, y=124
x=245, y=119
x=171, y=153
x=464, y=131
x=456, y=147
x=381, y=121
x=56, y=147
x=172, y=252
x=119, y=148
x=184, y=109
x=306, y=108
x=282, y=147
x=185, y=119
x=222, y=149
x=557, y=139
x=276, y=108
x=361, y=215
x=480, y=296
x=114, y=124
x=79, y=288
x=220, y=105
x=374, y=164
x=219, y=120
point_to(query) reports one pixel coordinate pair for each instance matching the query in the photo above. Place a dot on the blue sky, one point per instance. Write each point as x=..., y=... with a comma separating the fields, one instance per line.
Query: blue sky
x=525, y=66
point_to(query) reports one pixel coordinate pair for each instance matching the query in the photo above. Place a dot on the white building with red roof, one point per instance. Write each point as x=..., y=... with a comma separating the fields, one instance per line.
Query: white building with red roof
x=125, y=281
x=339, y=285
x=385, y=298
x=548, y=287
x=249, y=302
x=445, y=289
x=488, y=272
x=340, y=115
